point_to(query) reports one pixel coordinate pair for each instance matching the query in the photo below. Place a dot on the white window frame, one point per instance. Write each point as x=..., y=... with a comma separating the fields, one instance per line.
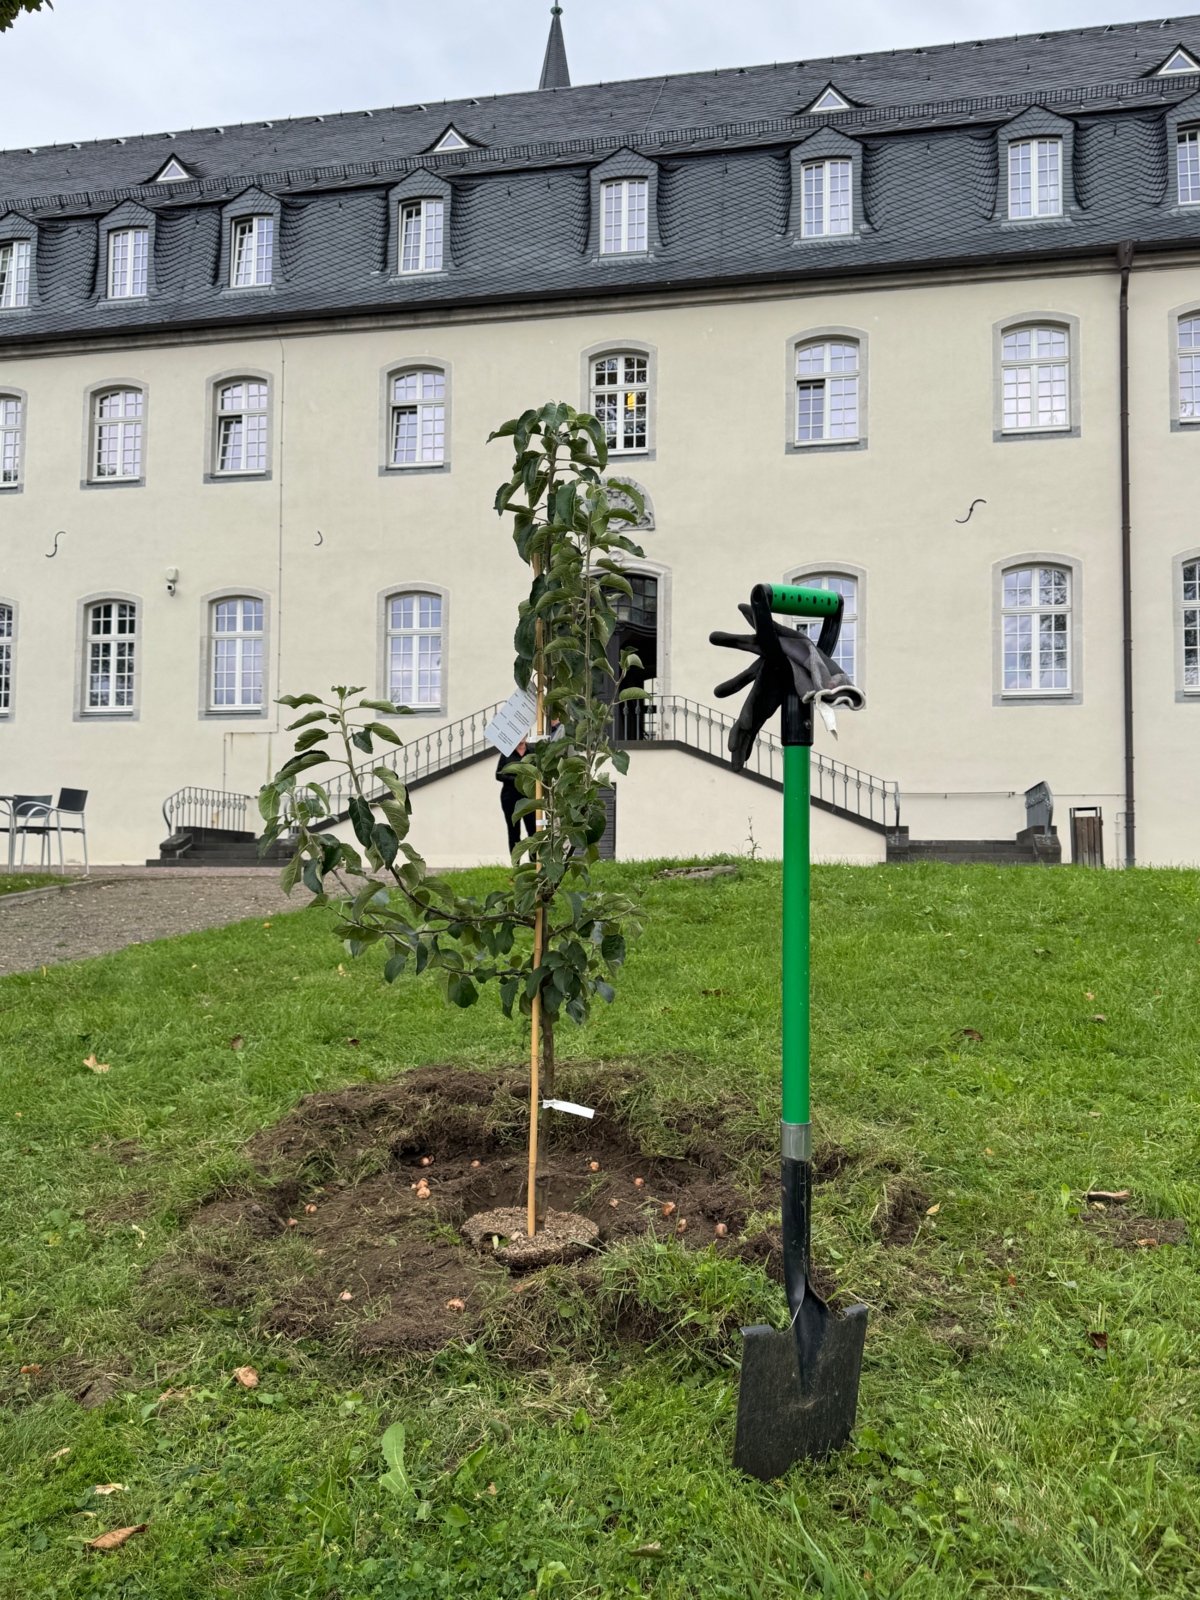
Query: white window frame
x=1051, y=624
x=128, y=263
x=630, y=388
x=8, y=651
x=1035, y=377
x=1189, y=627
x=848, y=653
x=397, y=633
x=16, y=273
x=840, y=384
x=12, y=439
x=624, y=216
x=428, y=407
x=421, y=241
x=247, y=415
x=125, y=428
x=110, y=653
x=252, y=252
x=1187, y=166
x=819, y=202
x=1043, y=182
x=238, y=648
x=1187, y=368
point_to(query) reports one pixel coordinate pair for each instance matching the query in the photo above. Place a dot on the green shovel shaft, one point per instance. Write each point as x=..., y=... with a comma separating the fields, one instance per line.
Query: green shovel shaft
x=796, y=1005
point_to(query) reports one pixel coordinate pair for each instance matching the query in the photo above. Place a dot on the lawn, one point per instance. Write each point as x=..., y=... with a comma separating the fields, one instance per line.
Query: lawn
x=18, y=882
x=1032, y=1377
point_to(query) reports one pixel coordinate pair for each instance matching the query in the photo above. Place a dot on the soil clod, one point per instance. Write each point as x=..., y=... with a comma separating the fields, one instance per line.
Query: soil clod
x=502, y=1235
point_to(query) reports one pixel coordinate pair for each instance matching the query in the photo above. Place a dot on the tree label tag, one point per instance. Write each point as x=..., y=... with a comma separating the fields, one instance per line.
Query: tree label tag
x=513, y=721
x=569, y=1106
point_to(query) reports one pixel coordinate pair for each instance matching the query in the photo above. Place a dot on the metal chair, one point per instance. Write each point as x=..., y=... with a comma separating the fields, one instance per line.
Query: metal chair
x=31, y=814
x=70, y=804
x=7, y=825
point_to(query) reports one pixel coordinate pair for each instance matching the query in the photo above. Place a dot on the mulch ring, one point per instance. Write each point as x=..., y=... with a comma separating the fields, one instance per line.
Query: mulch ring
x=357, y=1234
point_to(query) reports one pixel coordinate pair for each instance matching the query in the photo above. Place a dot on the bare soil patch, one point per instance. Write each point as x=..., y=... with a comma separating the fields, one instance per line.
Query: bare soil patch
x=900, y=1213
x=356, y=1233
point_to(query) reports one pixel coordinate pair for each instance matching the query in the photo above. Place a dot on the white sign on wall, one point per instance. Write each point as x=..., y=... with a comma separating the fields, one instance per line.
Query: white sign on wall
x=512, y=722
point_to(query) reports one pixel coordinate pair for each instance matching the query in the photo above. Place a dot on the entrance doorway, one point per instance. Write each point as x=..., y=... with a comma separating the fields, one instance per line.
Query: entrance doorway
x=637, y=630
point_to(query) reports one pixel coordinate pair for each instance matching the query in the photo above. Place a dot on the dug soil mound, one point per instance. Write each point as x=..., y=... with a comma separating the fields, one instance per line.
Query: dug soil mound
x=356, y=1231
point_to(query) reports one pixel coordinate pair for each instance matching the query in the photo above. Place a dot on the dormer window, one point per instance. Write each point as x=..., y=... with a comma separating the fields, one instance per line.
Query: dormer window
x=828, y=100
x=173, y=172
x=128, y=263
x=1035, y=178
x=15, y=257
x=1178, y=61
x=624, y=209
x=422, y=226
x=828, y=207
x=1188, y=156
x=252, y=254
x=451, y=140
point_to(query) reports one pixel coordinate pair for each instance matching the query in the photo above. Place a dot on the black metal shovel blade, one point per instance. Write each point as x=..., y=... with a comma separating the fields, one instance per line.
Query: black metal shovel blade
x=785, y=1415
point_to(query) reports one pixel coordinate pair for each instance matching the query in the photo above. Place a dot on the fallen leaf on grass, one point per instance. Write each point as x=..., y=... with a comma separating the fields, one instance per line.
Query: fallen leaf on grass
x=246, y=1376
x=1146, y=1244
x=1099, y=1017
x=649, y=1552
x=1113, y=1196
x=1088, y=995
x=1100, y=1340
x=237, y=1042
x=933, y=1210
x=988, y=1151
x=59, y=1454
x=109, y=1488
x=97, y=1066
x=1012, y=1281
x=970, y=1033
x=113, y=1540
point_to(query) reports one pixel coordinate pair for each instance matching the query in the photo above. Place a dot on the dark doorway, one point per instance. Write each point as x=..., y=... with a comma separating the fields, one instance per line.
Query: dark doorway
x=637, y=629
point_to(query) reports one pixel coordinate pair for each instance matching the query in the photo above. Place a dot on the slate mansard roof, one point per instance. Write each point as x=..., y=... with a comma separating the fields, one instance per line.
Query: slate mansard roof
x=926, y=127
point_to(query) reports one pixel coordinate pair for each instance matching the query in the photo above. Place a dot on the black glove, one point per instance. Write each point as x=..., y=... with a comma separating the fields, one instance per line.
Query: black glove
x=792, y=661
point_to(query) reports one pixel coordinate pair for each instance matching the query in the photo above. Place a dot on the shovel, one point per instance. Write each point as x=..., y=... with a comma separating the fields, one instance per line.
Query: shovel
x=799, y=1389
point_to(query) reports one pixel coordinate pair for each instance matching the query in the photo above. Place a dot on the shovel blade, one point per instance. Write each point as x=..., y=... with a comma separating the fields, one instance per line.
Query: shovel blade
x=781, y=1419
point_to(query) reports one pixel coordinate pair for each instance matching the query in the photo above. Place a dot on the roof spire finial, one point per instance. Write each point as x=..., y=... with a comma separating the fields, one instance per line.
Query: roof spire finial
x=555, y=73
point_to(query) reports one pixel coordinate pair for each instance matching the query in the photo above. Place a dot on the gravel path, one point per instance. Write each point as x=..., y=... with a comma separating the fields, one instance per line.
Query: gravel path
x=95, y=918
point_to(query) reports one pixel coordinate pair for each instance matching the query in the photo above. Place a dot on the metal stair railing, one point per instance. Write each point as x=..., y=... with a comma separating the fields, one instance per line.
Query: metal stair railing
x=194, y=807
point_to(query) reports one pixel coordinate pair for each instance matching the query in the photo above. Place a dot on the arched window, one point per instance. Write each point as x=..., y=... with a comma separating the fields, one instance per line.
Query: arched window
x=1035, y=365
x=422, y=231
x=117, y=434
x=418, y=423
x=846, y=653
x=620, y=391
x=12, y=429
x=8, y=630
x=110, y=655
x=414, y=650
x=827, y=373
x=236, y=654
x=1036, y=627
x=1189, y=368
x=241, y=430
x=1191, y=625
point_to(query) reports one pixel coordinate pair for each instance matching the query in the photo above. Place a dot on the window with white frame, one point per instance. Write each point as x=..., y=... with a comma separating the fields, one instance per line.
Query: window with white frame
x=15, y=258
x=128, y=263
x=1035, y=178
x=624, y=210
x=418, y=431
x=1189, y=369
x=11, y=431
x=422, y=228
x=8, y=630
x=1036, y=623
x=620, y=391
x=236, y=655
x=414, y=650
x=252, y=253
x=111, y=645
x=117, y=434
x=828, y=207
x=241, y=434
x=1036, y=376
x=1188, y=159
x=827, y=374
x=1191, y=625
x=846, y=650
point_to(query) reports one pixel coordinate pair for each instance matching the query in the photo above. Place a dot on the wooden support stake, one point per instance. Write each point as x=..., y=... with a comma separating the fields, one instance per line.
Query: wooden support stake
x=539, y=934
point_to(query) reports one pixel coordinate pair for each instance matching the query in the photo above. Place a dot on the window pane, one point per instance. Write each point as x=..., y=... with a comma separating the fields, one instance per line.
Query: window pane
x=606, y=371
x=111, y=655
x=415, y=649
x=237, y=653
x=433, y=235
x=1018, y=652
x=1049, y=192
x=814, y=199
x=1018, y=589
x=810, y=358
x=1189, y=387
x=839, y=197
x=15, y=258
x=1052, y=651
x=1189, y=167
x=1020, y=180
x=10, y=439
x=1036, y=396
x=810, y=411
x=843, y=408
x=635, y=226
x=411, y=231
x=6, y=637
x=128, y=263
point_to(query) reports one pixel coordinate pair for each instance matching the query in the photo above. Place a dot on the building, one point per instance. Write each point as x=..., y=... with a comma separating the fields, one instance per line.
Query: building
x=855, y=320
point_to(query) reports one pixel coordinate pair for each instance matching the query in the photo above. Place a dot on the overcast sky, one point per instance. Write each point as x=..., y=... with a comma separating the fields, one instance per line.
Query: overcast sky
x=97, y=68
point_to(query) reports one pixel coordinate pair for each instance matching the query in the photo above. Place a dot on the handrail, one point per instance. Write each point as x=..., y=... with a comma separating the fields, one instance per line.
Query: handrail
x=193, y=807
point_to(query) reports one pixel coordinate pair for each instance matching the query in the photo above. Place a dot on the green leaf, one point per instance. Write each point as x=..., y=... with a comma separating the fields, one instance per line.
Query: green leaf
x=612, y=948
x=395, y=1480
x=290, y=876
x=294, y=700
x=362, y=820
x=382, y=731
x=363, y=740
x=385, y=842
x=620, y=760
x=301, y=722
x=312, y=737
x=456, y=1518
x=311, y=758
x=384, y=705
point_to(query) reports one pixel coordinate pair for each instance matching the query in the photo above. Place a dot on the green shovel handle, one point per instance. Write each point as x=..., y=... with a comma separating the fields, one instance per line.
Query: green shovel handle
x=796, y=1005
x=791, y=600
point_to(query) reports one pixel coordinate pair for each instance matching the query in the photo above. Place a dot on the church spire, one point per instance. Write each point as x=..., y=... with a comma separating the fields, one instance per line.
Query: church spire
x=555, y=73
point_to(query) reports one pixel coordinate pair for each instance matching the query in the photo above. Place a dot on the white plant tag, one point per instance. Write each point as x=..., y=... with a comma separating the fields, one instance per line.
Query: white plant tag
x=828, y=717
x=513, y=721
x=568, y=1105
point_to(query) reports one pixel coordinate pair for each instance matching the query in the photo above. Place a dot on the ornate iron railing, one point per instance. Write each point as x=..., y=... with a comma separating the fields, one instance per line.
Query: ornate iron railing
x=206, y=808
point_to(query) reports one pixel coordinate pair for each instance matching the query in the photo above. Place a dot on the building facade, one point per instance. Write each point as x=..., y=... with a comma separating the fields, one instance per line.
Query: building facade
x=855, y=321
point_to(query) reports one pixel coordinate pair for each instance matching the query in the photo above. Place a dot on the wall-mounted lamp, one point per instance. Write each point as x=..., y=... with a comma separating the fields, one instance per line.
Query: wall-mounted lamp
x=172, y=579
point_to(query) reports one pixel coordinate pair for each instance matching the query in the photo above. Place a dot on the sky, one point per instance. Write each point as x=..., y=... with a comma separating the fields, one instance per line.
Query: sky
x=93, y=69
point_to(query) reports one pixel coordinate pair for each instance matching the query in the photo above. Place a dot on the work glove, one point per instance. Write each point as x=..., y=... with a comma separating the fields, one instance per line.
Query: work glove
x=816, y=677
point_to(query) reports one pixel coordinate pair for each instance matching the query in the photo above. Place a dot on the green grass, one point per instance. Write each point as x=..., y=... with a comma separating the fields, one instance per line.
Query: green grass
x=18, y=882
x=1038, y=1465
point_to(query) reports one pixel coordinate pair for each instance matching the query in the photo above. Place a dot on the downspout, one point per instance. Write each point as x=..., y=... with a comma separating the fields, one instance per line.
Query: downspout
x=1125, y=262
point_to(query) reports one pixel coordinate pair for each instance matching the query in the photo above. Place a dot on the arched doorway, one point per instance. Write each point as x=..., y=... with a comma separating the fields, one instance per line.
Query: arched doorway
x=637, y=630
